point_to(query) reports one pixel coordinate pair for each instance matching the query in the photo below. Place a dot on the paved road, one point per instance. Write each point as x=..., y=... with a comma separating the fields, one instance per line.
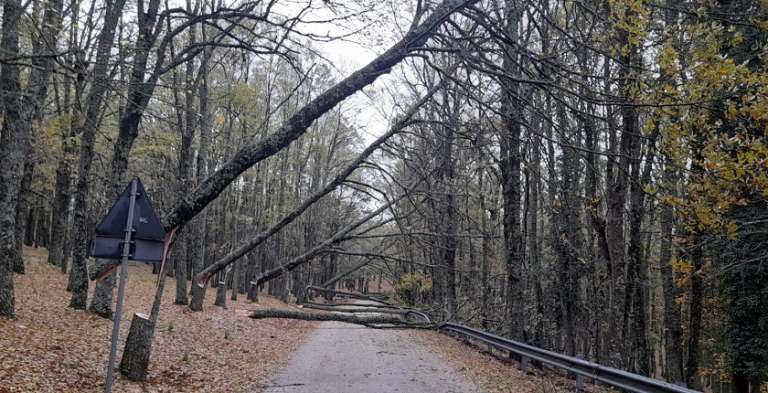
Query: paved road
x=344, y=358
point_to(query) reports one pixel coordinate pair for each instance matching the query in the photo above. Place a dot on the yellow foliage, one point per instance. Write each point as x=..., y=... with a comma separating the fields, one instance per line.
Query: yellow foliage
x=732, y=158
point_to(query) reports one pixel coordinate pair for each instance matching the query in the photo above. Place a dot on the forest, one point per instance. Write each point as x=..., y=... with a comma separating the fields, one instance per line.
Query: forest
x=586, y=176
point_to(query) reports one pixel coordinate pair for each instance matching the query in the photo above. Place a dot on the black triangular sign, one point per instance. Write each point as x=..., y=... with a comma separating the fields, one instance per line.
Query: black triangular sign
x=146, y=225
x=148, y=234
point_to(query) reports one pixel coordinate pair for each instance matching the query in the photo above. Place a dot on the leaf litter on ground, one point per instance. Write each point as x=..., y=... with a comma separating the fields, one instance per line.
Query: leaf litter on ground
x=493, y=374
x=50, y=347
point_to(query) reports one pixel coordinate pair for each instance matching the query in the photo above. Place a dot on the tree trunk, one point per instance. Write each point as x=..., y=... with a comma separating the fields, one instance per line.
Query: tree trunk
x=488, y=222
x=56, y=255
x=635, y=303
x=367, y=320
x=14, y=138
x=673, y=331
x=446, y=212
x=236, y=279
x=138, y=347
x=510, y=174
x=101, y=304
x=197, y=293
x=114, y=9
x=221, y=289
x=181, y=270
x=138, y=344
x=694, y=322
x=187, y=123
x=618, y=174
x=22, y=209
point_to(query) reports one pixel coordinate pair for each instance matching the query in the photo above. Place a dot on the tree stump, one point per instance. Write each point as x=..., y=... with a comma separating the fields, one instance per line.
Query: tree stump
x=221, y=295
x=253, y=292
x=138, y=346
x=198, y=296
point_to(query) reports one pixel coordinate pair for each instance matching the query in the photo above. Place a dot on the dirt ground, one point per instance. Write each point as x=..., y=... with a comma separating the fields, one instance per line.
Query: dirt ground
x=49, y=347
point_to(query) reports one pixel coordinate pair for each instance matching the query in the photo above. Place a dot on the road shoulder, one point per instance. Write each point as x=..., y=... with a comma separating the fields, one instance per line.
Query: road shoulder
x=487, y=371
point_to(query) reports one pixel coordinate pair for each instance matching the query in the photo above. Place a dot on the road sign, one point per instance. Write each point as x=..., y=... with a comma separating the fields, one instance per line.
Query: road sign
x=130, y=230
x=148, y=234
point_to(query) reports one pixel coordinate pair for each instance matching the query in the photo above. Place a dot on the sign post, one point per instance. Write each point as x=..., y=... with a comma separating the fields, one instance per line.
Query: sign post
x=121, y=287
x=141, y=238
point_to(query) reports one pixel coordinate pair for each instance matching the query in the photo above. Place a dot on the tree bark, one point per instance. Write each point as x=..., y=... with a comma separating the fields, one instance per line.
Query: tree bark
x=56, y=255
x=138, y=345
x=635, y=297
x=135, y=360
x=23, y=207
x=368, y=321
x=510, y=173
x=694, y=322
x=14, y=138
x=221, y=289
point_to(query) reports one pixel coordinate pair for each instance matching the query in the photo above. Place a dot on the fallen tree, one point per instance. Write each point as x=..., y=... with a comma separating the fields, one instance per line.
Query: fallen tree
x=369, y=320
x=337, y=237
x=359, y=305
x=335, y=279
x=200, y=279
x=353, y=295
x=353, y=308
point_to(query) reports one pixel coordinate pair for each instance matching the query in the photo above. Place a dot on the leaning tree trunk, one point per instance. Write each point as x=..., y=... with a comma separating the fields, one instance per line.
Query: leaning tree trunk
x=296, y=125
x=199, y=281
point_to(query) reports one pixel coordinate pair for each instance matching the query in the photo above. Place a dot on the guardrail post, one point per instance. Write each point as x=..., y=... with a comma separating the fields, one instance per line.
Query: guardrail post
x=525, y=362
x=579, y=382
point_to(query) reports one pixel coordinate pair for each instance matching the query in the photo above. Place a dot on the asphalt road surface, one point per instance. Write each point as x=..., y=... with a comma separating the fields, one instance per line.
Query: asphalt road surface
x=344, y=358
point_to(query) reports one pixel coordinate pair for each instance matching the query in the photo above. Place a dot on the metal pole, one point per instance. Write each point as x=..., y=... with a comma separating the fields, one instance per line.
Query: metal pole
x=121, y=288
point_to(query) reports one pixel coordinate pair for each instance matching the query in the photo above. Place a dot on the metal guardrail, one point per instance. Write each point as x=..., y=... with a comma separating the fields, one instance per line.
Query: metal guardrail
x=583, y=369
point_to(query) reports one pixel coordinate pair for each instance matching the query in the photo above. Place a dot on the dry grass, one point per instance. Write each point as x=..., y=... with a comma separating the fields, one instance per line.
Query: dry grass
x=492, y=374
x=52, y=348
